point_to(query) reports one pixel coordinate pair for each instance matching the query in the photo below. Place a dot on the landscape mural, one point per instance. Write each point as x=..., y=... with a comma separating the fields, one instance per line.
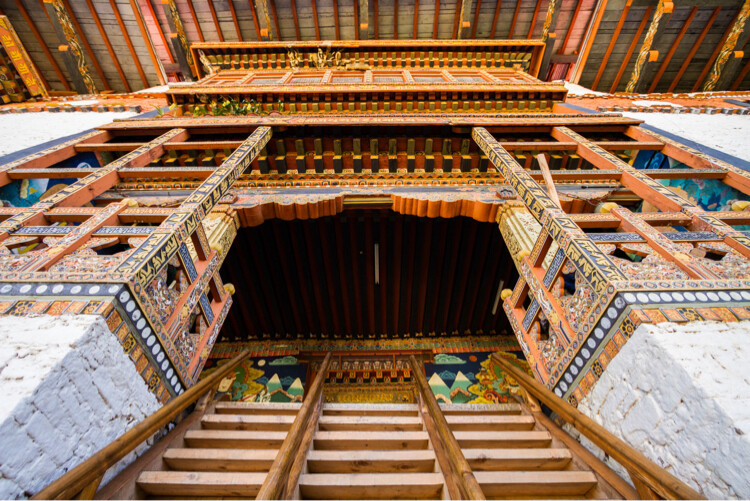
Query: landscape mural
x=263, y=379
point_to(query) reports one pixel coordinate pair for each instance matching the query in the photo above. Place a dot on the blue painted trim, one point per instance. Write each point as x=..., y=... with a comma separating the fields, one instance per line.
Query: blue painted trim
x=12, y=157
x=581, y=109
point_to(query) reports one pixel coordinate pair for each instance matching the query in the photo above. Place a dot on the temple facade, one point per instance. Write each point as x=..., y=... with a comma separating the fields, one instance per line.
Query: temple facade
x=374, y=268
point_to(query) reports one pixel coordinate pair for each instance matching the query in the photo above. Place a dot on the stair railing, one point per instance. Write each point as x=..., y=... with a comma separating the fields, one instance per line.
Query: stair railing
x=277, y=483
x=650, y=480
x=460, y=468
x=83, y=481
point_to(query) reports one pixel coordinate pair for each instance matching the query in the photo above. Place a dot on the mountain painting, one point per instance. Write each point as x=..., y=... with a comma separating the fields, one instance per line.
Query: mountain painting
x=267, y=379
x=471, y=378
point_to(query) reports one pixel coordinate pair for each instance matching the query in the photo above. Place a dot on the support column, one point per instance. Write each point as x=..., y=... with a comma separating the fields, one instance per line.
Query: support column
x=70, y=48
x=645, y=65
x=728, y=62
x=179, y=39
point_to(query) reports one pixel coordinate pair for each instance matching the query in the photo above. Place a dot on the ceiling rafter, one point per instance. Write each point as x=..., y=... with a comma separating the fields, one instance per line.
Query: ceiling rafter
x=673, y=49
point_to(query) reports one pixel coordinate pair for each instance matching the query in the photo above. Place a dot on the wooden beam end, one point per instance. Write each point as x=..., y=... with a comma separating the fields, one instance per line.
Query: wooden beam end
x=653, y=55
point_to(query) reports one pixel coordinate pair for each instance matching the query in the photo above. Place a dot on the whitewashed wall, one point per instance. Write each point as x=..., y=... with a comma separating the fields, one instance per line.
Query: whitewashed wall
x=680, y=394
x=66, y=390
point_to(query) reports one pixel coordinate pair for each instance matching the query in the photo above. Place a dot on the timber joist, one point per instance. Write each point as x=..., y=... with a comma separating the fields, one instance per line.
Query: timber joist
x=372, y=54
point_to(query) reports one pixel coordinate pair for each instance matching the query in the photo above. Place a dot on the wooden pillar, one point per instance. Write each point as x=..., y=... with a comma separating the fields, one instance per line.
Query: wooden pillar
x=70, y=48
x=728, y=62
x=549, y=36
x=264, y=19
x=645, y=65
x=178, y=39
x=363, y=24
x=464, y=25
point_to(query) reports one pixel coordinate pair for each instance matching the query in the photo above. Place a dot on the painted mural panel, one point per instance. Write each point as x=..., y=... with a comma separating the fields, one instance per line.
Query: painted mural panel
x=263, y=379
x=460, y=378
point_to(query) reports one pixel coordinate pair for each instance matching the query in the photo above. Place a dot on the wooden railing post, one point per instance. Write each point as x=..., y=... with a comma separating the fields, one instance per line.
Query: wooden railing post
x=648, y=477
x=461, y=468
x=275, y=485
x=79, y=481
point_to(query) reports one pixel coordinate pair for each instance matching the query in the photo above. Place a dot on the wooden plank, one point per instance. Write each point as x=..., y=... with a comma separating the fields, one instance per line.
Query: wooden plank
x=294, y=18
x=247, y=422
x=415, y=30
x=611, y=46
x=694, y=49
x=155, y=22
x=146, y=38
x=191, y=483
x=498, y=5
x=370, y=410
x=436, y=20
x=572, y=25
x=533, y=18
x=369, y=423
x=502, y=439
x=588, y=40
x=631, y=49
x=351, y=440
x=517, y=459
x=108, y=44
x=235, y=21
x=224, y=439
x=371, y=486
x=489, y=423
x=336, y=21
x=315, y=18
x=480, y=409
x=514, y=19
x=476, y=19
x=219, y=459
x=741, y=76
x=393, y=461
x=256, y=408
x=86, y=45
x=535, y=483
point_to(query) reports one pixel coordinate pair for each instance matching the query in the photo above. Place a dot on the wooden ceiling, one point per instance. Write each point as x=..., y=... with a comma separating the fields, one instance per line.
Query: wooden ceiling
x=317, y=278
x=122, y=59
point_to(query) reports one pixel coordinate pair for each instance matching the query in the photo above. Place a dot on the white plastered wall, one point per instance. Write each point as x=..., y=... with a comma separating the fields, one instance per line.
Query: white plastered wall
x=67, y=389
x=680, y=394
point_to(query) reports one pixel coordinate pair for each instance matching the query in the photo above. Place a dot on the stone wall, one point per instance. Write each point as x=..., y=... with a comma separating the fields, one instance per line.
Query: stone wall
x=679, y=394
x=68, y=389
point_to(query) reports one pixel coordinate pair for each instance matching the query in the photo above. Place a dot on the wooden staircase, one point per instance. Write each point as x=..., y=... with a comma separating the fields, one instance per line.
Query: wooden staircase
x=371, y=452
x=227, y=455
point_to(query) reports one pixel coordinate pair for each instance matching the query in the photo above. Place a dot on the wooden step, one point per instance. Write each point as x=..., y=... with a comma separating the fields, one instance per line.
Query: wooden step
x=199, y=483
x=256, y=408
x=220, y=459
x=460, y=422
x=370, y=410
x=371, y=486
x=517, y=459
x=258, y=422
x=376, y=440
x=548, y=484
x=502, y=439
x=481, y=409
x=230, y=439
x=396, y=461
x=370, y=423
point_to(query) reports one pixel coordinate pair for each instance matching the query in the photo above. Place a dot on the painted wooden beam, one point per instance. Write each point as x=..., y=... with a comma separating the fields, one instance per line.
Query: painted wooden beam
x=673, y=49
x=375, y=20
x=336, y=27
x=647, y=57
x=128, y=42
x=295, y=19
x=415, y=31
x=476, y=19
x=233, y=13
x=159, y=30
x=179, y=39
x=87, y=46
x=611, y=46
x=534, y=17
x=315, y=19
x=356, y=19
x=158, y=68
x=20, y=59
x=727, y=64
x=395, y=19
x=70, y=48
x=513, y=21
x=212, y=10
x=108, y=44
x=275, y=17
x=464, y=23
x=436, y=20
x=196, y=23
x=714, y=55
x=572, y=25
x=495, y=17
x=549, y=35
x=741, y=76
x=631, y=49
x=363, y=20
x=588, y=41
x=264, y=20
